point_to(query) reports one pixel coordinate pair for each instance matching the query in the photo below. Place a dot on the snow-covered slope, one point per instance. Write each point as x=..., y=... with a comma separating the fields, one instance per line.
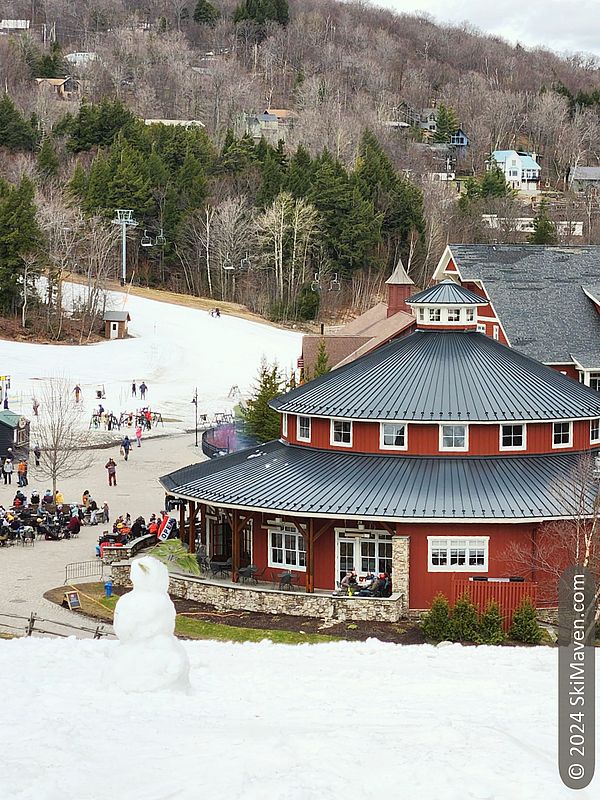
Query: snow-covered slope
x=315, y=722
x=174, y=349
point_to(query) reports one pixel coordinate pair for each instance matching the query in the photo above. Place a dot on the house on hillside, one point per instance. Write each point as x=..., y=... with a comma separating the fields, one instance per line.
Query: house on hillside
x=65, y=87
x=521, y=170
x=272, y=125
x=385, y=321
x=177, y=123
x=542, y=300
x=8, y=26
x=426, y=120
x=584, y=180
x=424, y=459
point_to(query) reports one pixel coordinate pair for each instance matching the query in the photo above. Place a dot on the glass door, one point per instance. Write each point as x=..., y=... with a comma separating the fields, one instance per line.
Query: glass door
x=345, y=557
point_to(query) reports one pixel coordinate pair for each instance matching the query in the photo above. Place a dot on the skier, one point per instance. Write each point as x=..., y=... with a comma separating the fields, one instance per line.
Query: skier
x=112, y=471
x=77, y=391
x=126, y=446
x=143, y=389
x=134, y=389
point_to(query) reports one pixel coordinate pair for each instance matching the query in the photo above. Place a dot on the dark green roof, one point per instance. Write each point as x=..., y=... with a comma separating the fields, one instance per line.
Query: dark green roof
x=9, y=418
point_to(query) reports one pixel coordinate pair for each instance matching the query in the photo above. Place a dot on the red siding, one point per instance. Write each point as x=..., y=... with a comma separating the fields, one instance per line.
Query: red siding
x=424, y=585
x=508, y=596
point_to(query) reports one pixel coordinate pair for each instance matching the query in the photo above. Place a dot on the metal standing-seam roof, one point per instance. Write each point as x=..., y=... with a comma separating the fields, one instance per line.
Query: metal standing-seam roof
x=447, y=293
x=311, y=482
x=443, y=375
x=116, y=316
x=537, y=292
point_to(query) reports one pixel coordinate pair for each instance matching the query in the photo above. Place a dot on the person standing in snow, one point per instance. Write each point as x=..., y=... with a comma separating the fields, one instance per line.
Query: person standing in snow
x=111, y=467
x=138, y=435
x=134, y=389
x=77, y=391
x=35, y=406
x=143, y=390
x=7, y=470
x=126, y=446
x=105, y=513
x=38, y=454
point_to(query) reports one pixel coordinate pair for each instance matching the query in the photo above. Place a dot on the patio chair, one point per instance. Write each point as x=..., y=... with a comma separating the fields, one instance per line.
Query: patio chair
x=286, y=582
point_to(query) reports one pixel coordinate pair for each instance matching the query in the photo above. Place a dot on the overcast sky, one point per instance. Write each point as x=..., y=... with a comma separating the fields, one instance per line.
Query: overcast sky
x=561, y=25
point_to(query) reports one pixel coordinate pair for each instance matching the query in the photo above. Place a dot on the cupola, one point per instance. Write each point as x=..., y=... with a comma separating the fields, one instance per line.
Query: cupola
x=399, y=289
x=447, y=305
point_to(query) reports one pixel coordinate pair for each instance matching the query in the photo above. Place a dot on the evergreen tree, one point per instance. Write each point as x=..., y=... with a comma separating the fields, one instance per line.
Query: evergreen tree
x=19, y=236
x=300, y=173
x=490, y=626
x=446, y=124
x=47, y=160
x=237, y=154
x=544, y=230
x=96, y=190
x=191, y=183
x=464, y=625
x=261, y=11
x=307, y=303
x=358, y=235
x=50, y=64
x=524, y=626
x=261, y=421
x=322, y=362
x=77, y=186
x=272, y=180
x=15, y=132
x=206, y=14
x=129, y=186
x=436, y=623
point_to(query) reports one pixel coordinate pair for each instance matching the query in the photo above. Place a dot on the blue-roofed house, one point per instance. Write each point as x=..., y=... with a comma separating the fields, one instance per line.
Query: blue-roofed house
x=521, y=170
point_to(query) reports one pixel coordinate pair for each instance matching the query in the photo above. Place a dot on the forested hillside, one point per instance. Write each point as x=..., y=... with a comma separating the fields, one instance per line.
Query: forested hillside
x=282, y=224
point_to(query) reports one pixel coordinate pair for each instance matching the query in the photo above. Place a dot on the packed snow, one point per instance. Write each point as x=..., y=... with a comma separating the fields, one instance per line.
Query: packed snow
x=149, y=657
x=173, y=349
x=311, y=722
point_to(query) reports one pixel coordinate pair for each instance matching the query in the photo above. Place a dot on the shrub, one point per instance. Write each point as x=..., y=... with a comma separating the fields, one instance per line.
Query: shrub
x=436, y=623
x=524, y=626
x=464, y=624
x=490, y=626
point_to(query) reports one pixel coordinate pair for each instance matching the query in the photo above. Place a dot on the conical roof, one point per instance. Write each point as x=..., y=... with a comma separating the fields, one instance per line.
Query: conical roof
x=447, y=293
x=399, y=276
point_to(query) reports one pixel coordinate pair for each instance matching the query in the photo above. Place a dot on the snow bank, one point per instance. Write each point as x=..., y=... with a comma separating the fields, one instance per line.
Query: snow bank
x=329, y=722
x=173, y=349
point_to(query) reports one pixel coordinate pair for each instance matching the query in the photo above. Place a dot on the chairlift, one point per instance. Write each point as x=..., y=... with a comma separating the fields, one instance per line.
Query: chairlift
x=227, y=265
x=334, y=284
x=146, y=241
x=245, y=264
x=160, y=240
x=315, y=285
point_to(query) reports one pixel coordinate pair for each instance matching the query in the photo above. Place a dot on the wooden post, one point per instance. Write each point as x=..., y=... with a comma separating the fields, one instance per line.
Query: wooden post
x=192, y=535
x=182, y=531
x=235, y=545
x=202, y=523
x=310, y=557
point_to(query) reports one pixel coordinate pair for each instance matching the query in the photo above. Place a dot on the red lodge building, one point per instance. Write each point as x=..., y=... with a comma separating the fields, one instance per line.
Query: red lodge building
x=426, y=457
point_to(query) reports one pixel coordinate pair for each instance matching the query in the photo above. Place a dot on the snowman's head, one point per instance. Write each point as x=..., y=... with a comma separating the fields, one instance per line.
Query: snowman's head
x=149, y=575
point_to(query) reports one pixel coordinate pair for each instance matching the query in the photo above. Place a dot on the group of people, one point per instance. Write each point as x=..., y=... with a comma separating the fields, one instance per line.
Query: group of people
x=142, y=387
x=372, y=585
x=215, y=312
x=124, y=530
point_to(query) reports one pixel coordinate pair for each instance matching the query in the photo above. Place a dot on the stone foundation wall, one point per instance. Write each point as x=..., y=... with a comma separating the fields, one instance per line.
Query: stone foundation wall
x=111, y=554
x=225, y=597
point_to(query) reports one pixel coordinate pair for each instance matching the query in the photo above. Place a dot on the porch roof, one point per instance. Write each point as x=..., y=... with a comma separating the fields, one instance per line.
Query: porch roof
x=304, y=481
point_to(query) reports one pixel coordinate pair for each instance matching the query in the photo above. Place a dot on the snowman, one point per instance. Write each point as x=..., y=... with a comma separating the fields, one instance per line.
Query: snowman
x=148, y=656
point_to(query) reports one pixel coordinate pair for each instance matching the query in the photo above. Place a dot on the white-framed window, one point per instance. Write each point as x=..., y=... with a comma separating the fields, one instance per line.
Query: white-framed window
x=341, y=432
x=496, y=332
x=594, y=431
x=284, y=424
x=370, y=552
x=595, y=381
x=435, y=314
x=454, y=315
x=421, y=315
x=303, y=429
x=513, y=437
x=470, y=314
x=469, y=554
x=393, y=436
x=454, y=437
x=481, y=327
x=562, y=434
x=287, y=548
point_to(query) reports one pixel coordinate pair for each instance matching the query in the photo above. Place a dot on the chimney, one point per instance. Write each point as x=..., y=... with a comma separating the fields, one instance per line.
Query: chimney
x=399, y=288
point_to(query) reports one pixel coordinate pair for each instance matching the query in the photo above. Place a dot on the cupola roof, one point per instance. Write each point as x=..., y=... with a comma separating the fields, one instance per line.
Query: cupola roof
x=400, y=276
x=433, y=376
x=447, y=293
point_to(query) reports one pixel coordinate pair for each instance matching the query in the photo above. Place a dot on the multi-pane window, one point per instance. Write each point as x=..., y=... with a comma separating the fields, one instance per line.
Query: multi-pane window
x=595, y=381
x=375, y=556
x=456, y=555
x=341, y=432
x=562, y=434
x=287, y=548
x=284, y=425
x=512, y=437
x=393, y=435
x=454, y=315
x=453, y=437
x=303, y=429
x=470, y=314
x=594, y=431
x=435, y=314
x=481, y=328
x=421, y=315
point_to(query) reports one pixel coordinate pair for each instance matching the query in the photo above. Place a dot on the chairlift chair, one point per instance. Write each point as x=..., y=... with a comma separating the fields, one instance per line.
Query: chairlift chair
x=227, y=265
x=315, y=285
x=335, y=284
x=146, y=241
x=245, y=264
x=160, y=240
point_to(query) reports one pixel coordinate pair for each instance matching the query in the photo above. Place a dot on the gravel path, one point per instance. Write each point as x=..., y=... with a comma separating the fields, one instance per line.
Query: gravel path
x=28, y=572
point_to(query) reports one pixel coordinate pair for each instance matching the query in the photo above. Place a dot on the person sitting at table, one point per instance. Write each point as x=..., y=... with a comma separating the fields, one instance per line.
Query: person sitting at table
x=73, y=526
x=59, y=498
x=20, y=499
x=85, y=498
x=349, y=582
x=47, y=499
x=35, y=498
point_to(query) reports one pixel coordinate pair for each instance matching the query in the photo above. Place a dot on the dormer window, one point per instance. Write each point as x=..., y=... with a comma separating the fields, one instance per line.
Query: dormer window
x=421, y=315
x=470, y=314
x=284, y=425
x=562, y=434
x=594, y=431
x=435, y=314
x=454, y=315
x=341, y=433
x=454, y=437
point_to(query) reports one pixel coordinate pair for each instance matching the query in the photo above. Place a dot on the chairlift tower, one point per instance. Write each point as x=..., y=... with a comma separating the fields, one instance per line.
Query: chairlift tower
x=124, y=218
